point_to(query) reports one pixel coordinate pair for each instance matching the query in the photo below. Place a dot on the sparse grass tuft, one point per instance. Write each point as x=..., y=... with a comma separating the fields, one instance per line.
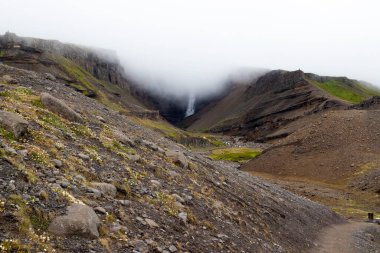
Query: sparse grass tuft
x=235, y=154
x=52, y=120
x=168, y=202
x=7, y=134
x=109, y=142
x=39, y=220
x=24, y=90
x=13, y=245
x=21, y=213
x=39, y=156
x=37, y=103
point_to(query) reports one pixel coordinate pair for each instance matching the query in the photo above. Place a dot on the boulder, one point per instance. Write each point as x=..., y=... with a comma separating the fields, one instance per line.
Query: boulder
x=13, y=123
x=50, y=77
x=10, y=80
x=105, y=188
x=59, y=107
x=80, y=220
x=122, y=138
x=178, y=158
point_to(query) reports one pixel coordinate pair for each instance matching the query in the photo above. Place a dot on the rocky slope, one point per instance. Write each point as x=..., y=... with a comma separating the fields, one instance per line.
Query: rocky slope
x=77, y=175
x=261, y=109
x=332, y=158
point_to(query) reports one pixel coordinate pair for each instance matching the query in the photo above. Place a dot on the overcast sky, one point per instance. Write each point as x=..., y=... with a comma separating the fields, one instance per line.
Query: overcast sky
x=194, y=44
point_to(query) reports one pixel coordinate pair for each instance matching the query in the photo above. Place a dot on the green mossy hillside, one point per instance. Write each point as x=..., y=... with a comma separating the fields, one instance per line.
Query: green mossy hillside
x=351, y=91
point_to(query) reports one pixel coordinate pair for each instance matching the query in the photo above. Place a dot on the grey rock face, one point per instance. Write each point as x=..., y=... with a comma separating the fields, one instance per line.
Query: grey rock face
x=57, y=106
x=13, y=123
x=80, y=220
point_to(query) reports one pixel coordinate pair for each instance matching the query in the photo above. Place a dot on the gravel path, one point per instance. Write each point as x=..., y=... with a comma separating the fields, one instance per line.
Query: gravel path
x=351, y=237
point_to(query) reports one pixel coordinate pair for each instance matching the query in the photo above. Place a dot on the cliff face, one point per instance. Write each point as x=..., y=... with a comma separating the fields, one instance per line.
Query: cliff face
x=102, y=64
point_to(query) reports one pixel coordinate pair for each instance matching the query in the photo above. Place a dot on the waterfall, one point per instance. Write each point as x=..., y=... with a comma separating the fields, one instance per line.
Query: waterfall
x=190, y=106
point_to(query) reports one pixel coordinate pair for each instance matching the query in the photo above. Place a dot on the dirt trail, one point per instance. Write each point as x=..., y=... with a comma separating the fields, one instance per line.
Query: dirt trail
x=346, y=238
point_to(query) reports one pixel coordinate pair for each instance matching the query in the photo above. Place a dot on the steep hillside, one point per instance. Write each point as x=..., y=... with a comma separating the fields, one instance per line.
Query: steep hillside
x=78, y=176
x=93, y=72
x=264, y=107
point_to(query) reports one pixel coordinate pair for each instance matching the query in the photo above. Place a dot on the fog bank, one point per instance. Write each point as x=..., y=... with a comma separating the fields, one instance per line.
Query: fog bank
x=182, y=47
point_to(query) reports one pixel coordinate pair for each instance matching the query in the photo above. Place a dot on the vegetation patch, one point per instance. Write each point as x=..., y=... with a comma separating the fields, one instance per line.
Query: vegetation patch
x=39, y=156
x=353, y=92
x=14, y=245
x=364, y=168
x=84, y=82
x=109, y=142
x=7, y=134
x=52, y=120
x=81, y=76
x=234, y=154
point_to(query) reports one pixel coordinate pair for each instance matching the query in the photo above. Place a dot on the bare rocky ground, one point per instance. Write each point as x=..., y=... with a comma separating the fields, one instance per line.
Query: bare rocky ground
x=100, y=182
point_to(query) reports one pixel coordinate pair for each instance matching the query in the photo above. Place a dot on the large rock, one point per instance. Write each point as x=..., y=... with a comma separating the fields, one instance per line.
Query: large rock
x=178, y=158
x=10, y=80
x=105, y=189
x=58, y=106
x=13, y=123
x=80, y=220
x=122, y=138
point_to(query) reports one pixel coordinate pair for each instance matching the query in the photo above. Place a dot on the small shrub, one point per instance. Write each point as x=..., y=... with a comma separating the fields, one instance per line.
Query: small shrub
x=39, y=220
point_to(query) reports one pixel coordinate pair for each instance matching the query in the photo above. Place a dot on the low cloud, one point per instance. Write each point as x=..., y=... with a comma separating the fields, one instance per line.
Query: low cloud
x=181, y=47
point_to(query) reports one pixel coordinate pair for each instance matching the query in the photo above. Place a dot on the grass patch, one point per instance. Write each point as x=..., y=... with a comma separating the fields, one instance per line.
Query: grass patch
x=7, y=134
x=85, y=83
x=353, y=91
x=37, y=103
x=234, y=154
x=24, y=90
x=81, y=76
x=52, y=120
x=364, y=168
